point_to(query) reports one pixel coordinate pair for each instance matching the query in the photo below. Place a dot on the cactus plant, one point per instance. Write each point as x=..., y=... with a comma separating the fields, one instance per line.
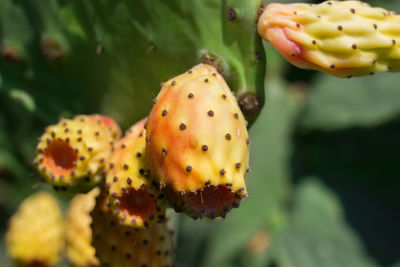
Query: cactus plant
x=36, y=232
x=80, y=251
x=62, y=58
x=132, y=196
x=75, y=151
x=197, y=143
x=343, y=38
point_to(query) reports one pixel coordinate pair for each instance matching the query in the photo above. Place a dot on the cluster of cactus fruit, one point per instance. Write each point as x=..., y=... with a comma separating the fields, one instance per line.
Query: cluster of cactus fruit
x=191, y=152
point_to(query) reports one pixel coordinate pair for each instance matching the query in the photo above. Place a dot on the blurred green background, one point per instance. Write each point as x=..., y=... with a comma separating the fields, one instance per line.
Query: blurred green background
x=324, y=181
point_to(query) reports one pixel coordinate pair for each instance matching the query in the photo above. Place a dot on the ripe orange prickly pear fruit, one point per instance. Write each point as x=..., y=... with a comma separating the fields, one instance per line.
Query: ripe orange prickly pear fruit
x=74, y=151
x=132, y=196
x=80, y=251
x=343, y=38
x=36, y=232
x=197, y=143
x=123, y=246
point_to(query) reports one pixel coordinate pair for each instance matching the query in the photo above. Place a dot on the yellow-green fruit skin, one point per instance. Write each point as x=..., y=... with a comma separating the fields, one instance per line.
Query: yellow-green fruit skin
x=133, y=199
x=342, y=38
x=80, y=251
x=74, y=151
x=197, y=143
x=36, y=232
x=119, y=245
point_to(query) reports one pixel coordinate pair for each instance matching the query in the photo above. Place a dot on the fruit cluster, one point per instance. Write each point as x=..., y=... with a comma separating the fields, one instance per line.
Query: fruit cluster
x=191, y=153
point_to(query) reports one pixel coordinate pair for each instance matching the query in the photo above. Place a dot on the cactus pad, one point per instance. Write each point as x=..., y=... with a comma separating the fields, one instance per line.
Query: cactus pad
x=343, y=38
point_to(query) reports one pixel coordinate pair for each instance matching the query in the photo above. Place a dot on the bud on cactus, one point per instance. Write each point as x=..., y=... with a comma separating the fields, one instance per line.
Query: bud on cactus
x=36, y=232
x=75, y=150
x=132, y=196
x=78, y=232
x=198, y=143
x=343, y=38
x=122, y=246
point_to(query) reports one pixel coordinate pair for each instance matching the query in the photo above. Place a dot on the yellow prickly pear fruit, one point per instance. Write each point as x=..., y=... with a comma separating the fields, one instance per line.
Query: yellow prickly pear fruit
x=343, y=38
x=36, y=232
x=74, y=151
x=123, y=246
x=132, y=196
x=197, y=143
x=80, y=251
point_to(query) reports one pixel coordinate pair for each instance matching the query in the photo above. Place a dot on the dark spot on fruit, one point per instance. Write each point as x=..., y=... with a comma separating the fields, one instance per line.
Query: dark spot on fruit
x=206, y=80
x=210, y=113
x=354, y=46
x=182, y=126
x=340, y=27
x=228, y=137
x=173, y=83
x=204, y=147
x=190, y=95
x=126, y=166
x=352, y=10
x=188, y=168
x=222, y=172
x=115, y=178
x=164, y=113
x=164, y=151
x=314, y=42
x=238, y=165
x=138, y=154
x=333, y=66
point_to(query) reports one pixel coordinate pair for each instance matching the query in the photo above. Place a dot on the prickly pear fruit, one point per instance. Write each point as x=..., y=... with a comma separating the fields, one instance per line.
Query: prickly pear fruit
x=343, y=38
x=74, y=151
x=80, y=251
x=36, y=232
x=197, y=143
x=122, y=246
x=132, y=196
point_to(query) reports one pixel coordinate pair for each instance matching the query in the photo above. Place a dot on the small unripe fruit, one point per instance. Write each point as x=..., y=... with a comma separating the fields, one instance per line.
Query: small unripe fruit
x=36, y=232
x=80, y=251
x=132, y=196
x=74, y=151
x=342, y=38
